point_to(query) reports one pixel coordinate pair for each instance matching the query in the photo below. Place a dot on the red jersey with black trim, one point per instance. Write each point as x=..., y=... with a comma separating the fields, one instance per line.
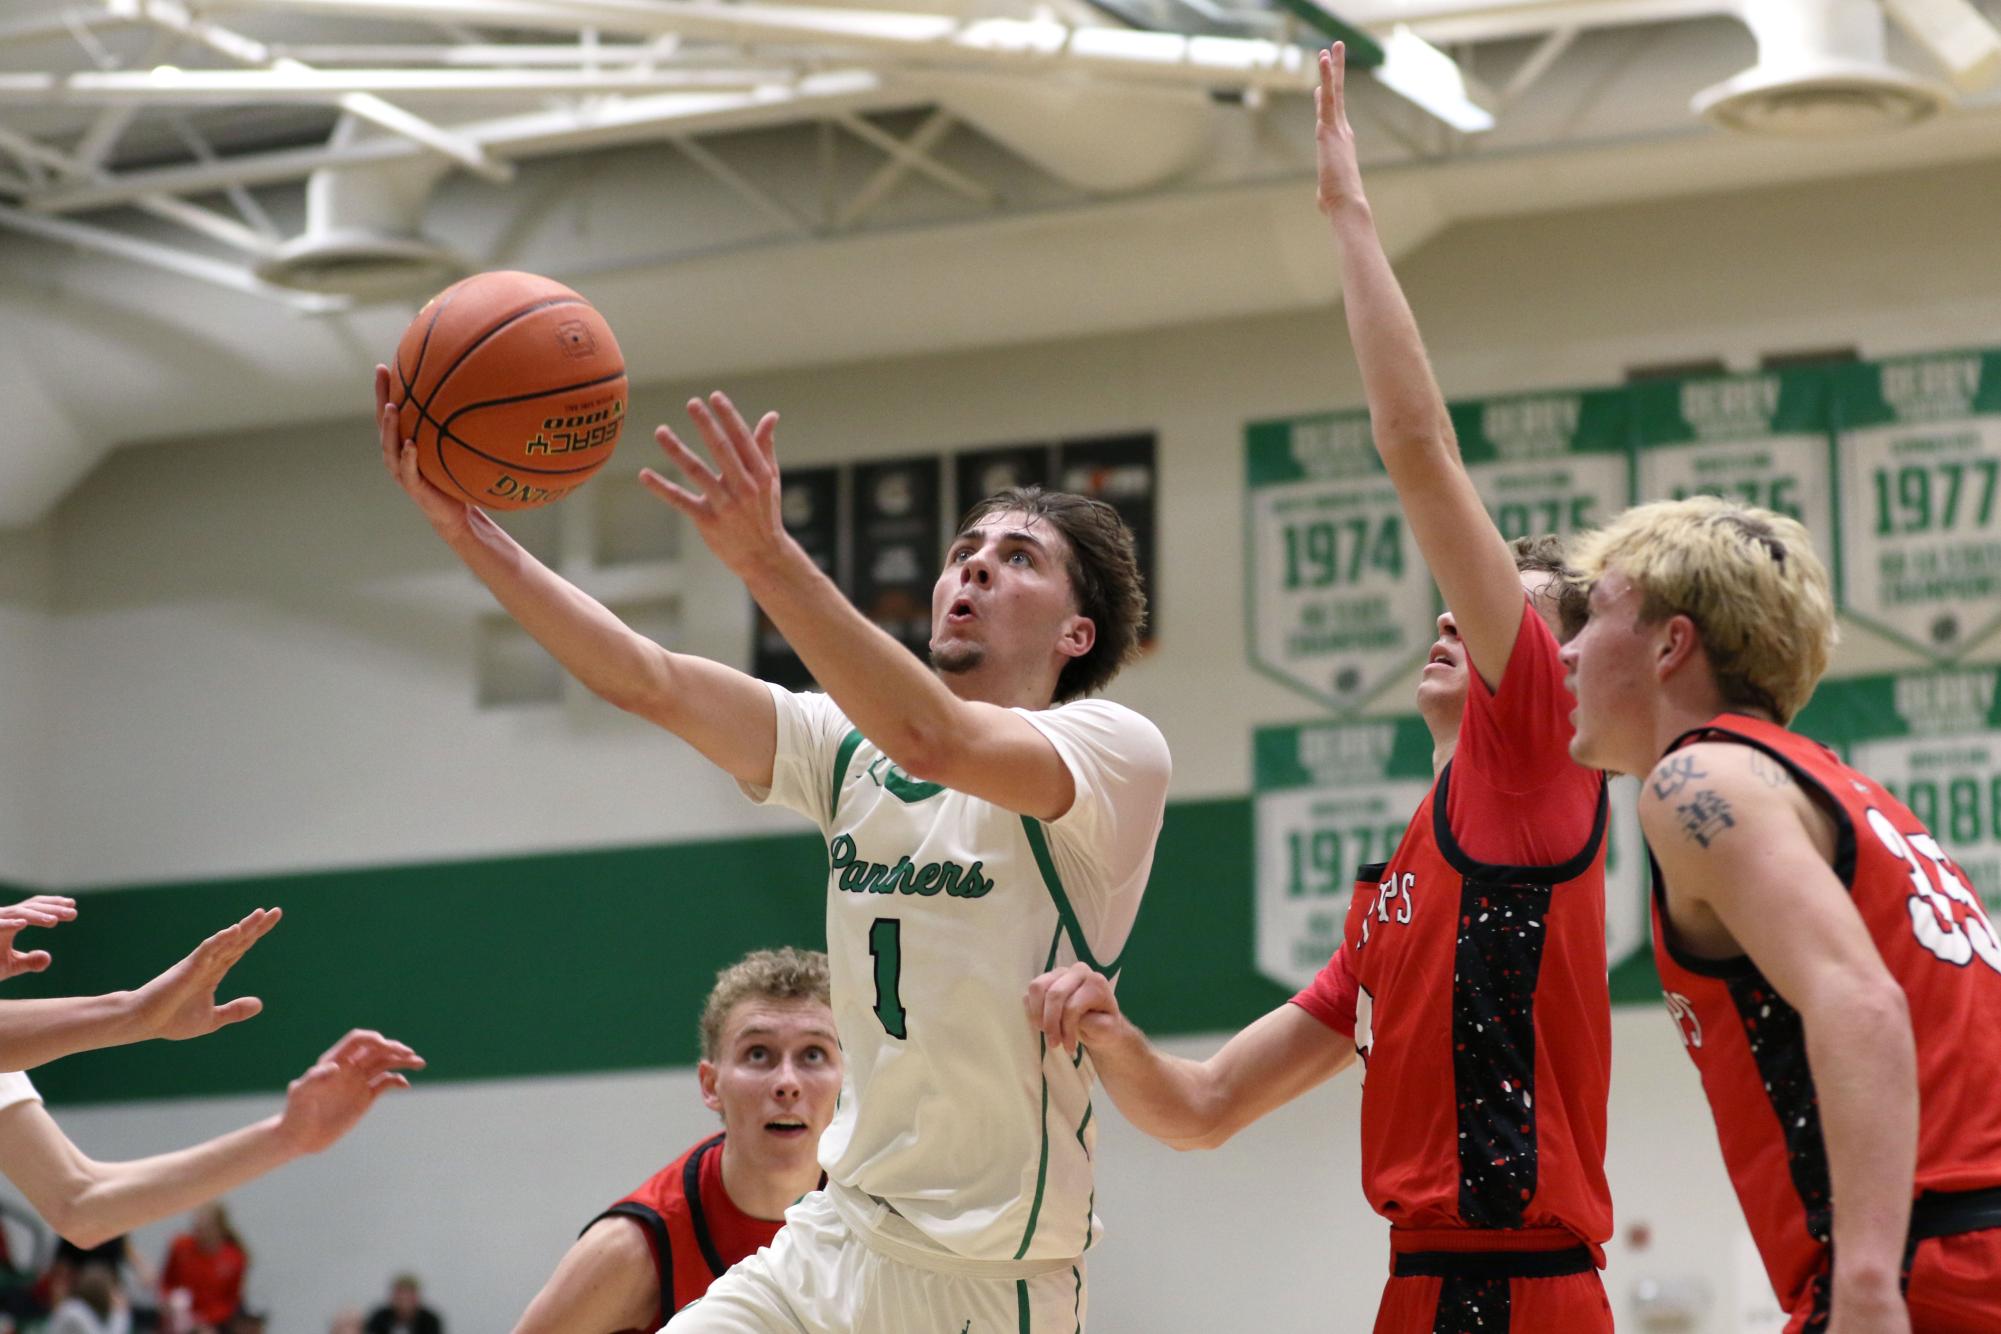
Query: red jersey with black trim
x=1750, y=1046
x=693, y=1228
x=1472, y=977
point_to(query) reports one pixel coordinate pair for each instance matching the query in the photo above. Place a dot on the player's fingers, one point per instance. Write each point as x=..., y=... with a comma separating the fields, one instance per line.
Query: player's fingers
x=687, y=460
x=1053, y=1006
x=694, y=506
x=713, y=436
x=32, y=962
x=1339, y=89
x=767, y=440
x=382, y=388
x=737, y=433
x=236, y=1011
x=63, y=909
x=383, y=1083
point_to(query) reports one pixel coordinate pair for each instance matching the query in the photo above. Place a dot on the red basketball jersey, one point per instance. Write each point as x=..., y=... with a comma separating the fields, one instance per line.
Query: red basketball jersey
x=693, y=1228
x=1750, y=1047
x=1476, y=990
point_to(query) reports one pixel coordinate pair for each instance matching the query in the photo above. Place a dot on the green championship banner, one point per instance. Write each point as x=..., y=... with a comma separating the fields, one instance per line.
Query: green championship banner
x=1337, y=600
x=1920, y=486
x=1547, y=463
x=1934, y=739
x=1329, y=798
x=1764, y=439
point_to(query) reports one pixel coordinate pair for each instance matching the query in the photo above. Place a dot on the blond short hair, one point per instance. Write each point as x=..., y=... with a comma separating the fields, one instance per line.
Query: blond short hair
x=1747, y=577
x=769, y=975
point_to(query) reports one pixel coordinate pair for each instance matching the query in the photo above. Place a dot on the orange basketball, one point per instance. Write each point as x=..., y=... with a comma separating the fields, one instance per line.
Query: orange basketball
x=513, y=388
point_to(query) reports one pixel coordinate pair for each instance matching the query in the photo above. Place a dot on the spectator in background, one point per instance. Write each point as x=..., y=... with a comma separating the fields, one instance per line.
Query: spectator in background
x=406, y=1312
x=203, y=1275
x=347, y=1322
x=94, y=1306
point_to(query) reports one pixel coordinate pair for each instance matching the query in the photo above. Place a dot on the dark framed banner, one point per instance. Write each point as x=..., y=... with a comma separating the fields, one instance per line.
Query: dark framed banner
x=1122, y=471
x=897, y=541
x=810, y=503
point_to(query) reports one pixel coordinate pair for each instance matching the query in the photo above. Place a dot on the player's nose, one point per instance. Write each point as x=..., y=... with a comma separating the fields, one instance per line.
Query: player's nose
x=1447, y=626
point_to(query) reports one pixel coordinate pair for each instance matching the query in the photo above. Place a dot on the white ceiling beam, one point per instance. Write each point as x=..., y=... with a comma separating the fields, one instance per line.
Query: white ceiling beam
x=890, y=175
x=174, y=17
x=1958, y=36
x=758, y=197
x=178, y=211
x=242, y=200
x=164, y=86
x=102, y=241
x=912, y=156
x=1444, y=21
x=504, y=56
x=943, y=39
x=602, y=125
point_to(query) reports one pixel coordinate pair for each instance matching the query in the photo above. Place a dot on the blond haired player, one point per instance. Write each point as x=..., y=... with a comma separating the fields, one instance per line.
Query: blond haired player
x=771, y=1069
x=985, y=821
x=1832, y=975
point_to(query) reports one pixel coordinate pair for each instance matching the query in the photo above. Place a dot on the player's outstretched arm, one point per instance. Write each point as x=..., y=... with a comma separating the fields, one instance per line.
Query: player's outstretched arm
x=179, y=1003
x=605, y=1282
x=895, y=701
x=723, y=713
x=90, y=1202
x=1413, y=432
x=1182, y=1103
x=1730, y=831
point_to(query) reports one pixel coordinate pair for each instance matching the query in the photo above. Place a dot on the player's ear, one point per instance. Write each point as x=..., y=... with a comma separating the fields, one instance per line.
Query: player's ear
x=712, y=1097
x=1078, y=635
x=1678, y=642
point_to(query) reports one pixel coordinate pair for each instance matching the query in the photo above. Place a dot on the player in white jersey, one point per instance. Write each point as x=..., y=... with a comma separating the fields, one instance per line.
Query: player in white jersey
x=984, y=821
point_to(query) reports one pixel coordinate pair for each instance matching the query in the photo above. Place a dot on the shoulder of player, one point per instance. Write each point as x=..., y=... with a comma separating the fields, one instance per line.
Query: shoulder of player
x=1718, y=799
x=1124, y=730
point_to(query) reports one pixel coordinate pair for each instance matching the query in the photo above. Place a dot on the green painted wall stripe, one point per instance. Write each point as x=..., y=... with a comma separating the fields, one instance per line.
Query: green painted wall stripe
x=578, y=962
x=1021, y=1305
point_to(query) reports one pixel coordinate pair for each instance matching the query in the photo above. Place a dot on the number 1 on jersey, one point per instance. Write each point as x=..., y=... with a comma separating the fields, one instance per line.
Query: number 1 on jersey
x=885, y=946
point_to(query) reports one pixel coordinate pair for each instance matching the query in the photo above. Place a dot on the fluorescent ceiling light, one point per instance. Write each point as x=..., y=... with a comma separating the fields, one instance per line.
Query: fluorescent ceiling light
x=1415, y=69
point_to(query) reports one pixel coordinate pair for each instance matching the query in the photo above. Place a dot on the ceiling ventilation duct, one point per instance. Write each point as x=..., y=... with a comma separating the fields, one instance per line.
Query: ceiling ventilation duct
x=1821, y=72
x=1104, y=140
x=363, y=235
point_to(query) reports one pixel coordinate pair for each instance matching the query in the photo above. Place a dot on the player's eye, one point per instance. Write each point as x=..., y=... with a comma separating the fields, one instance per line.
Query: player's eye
x=1020, y=558
x=815, y=1053
x=759, y=1054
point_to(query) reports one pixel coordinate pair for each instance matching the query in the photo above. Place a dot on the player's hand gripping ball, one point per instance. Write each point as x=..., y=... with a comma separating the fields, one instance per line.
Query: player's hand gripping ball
x=513, y=389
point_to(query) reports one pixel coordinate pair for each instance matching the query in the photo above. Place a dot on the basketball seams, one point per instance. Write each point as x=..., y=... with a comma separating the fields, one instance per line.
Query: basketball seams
x=445, y=429
x=503, y=322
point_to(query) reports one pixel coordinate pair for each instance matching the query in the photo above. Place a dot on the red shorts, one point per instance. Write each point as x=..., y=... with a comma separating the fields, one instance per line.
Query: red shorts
x=1954, y=1287
x=1467, y=1282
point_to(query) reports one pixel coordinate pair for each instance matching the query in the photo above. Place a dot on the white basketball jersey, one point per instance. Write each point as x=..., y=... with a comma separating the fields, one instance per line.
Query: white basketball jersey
x=941, y=909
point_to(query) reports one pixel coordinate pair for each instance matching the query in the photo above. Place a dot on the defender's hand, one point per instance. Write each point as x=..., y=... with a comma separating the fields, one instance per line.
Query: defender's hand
x=180, y=1003
x=1340, y=168
x=41, y=910
x=1075, y=1004
x=330, y=1098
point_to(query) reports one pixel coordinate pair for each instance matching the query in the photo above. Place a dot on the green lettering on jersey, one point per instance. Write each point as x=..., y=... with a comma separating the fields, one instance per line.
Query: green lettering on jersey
x=905, y=877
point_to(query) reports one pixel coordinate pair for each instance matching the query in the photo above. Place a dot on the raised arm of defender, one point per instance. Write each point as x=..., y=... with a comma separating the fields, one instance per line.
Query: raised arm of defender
x=1182, y=1103
x=1746, y=876
x=721, y=712
x=1413, y=432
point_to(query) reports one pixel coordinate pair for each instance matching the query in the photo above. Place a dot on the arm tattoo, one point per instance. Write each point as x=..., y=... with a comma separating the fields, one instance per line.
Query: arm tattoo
x=1769, y=771
x=1675, y=774
x=1705, y=816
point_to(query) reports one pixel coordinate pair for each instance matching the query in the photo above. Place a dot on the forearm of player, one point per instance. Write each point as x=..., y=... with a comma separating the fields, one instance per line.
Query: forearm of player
x=35, y=1032
x=892, y=698
x=89, y=1202
x=1860, y=1047
x=725, y=714
x=1175, y=1100
x=1413, y=432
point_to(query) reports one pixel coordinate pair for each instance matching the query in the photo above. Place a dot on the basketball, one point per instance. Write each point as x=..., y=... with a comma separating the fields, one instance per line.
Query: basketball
x=513, y=389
